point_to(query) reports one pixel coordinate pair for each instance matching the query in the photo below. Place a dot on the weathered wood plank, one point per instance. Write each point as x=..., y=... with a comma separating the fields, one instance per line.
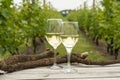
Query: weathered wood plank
x=85, y=72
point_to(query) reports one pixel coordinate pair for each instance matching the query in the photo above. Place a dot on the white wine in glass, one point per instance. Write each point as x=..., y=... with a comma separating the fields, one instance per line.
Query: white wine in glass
x=69, y=38
x=53, y=39
x=53, y=31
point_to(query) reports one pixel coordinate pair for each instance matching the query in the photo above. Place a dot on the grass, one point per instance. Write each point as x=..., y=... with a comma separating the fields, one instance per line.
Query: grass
x=83, y=45
x=6, y=54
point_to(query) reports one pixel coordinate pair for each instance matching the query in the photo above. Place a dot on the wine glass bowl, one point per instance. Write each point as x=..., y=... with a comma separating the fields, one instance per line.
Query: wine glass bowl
x=69, y=38
x=53, y=31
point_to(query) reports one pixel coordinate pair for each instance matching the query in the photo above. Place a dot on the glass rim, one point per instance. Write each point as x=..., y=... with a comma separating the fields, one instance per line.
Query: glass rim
x=69, y=22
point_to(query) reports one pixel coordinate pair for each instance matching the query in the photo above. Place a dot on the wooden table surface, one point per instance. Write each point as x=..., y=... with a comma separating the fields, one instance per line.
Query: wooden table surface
x=84, y=72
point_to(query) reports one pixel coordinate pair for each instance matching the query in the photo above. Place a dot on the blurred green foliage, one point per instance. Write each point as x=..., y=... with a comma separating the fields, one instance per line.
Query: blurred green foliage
x=19, y=25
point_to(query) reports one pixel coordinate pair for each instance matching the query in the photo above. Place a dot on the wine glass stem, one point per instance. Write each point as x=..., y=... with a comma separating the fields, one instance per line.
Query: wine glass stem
x=55, y=57
x=69, y=50
x=68, y=63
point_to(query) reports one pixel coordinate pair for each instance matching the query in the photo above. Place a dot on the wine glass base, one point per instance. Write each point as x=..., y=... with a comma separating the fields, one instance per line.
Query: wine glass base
x=55, y=67
x=69, y=70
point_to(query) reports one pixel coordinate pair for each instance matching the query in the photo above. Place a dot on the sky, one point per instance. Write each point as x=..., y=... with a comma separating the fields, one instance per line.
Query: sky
x=65, y=4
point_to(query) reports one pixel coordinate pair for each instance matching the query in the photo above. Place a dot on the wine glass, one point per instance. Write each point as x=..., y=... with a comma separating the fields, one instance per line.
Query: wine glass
x=69, y=38
x=53, y=31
